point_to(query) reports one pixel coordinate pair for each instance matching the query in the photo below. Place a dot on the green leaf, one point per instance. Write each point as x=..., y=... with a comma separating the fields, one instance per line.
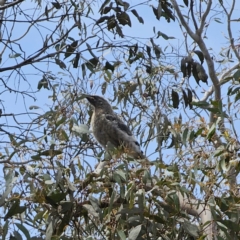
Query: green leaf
x=16, y=236
x=61, y=121
x=76, y=60
x=109, y=66
x=46, y=11
x=43, y=83
x=50, y=152
x=24, y=230
x=124, y=4
x=186, y=2
x=191, y=229
x=15, y=209
x=15, y=55
x=185, y=98
x=5, y=230
x=176, y=201
x=63, y=136
x=157, y=51
x=232, y=90
x=102, y=19
x=83, y=70
x=220, y=150
x=156, y=13
x=191, y=136
x=71, y=48
x=36, y=157
x=134, y=232
x=55, y=198
x=111, y=23
x=10, y=178
x=33, y=107
x=92, y=63
x=112, y=199
x=211, y=131
x=218, y=20
x=56, y=4
x=91, y=210
x=175, y=99
x=155, y=218
x=119, y=31
x=49, y=230
x=104, y=87
x=103, y=5
x=184, y=136
x=95, y=203
x=237, y=97
x=106, y=10
x=201, y=104
x=122, y=235
x=124, y=19
x=213, y=110
x=236, y=75
x=60, y=63
x=135, y=13
x=200, y=56
x=166, y=37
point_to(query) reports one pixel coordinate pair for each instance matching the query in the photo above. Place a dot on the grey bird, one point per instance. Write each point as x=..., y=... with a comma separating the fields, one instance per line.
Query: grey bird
x=108, y=128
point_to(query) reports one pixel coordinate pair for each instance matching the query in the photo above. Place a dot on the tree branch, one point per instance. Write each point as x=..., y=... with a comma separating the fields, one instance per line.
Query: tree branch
x=231, y=39
x=203, y=19
x=198, y=39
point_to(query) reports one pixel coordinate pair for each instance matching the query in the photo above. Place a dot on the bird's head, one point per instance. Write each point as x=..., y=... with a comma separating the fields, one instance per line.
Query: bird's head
x=99, y=103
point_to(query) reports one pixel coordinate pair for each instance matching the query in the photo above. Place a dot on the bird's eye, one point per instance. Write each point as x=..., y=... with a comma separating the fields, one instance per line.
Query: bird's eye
x=137, y=143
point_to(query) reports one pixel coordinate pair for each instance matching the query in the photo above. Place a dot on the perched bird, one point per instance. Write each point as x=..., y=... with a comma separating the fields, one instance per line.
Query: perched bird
x=108, y=128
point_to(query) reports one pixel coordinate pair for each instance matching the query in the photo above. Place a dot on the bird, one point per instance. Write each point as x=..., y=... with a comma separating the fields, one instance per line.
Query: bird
x=108, y=128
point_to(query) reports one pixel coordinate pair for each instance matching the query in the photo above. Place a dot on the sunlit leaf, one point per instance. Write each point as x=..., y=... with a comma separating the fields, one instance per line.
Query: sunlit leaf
x=134, y=232
x=211, y=131
x=81, y=129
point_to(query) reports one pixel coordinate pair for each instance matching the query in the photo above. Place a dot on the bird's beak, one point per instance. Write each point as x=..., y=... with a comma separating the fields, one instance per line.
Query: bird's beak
x=89, y=98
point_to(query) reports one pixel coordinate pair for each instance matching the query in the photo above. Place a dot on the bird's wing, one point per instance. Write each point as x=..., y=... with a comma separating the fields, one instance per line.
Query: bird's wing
x=117, y=122
x=121, y=136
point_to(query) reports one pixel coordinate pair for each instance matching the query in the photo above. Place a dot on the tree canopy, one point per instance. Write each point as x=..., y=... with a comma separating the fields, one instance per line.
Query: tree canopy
x=170, y=69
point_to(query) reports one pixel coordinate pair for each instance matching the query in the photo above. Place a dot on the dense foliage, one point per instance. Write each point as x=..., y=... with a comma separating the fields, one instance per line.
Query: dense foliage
x=165, y=73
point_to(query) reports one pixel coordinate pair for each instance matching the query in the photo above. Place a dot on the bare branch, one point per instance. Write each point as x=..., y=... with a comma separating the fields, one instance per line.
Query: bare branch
x=197, y=37
x=231, y=39
x=192, y=14
x=226, y=74
x=183, y=22
x=203, y=19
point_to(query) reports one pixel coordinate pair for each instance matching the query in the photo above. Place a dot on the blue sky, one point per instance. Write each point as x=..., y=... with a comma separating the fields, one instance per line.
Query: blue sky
x=14, y=103
x=215, y=40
